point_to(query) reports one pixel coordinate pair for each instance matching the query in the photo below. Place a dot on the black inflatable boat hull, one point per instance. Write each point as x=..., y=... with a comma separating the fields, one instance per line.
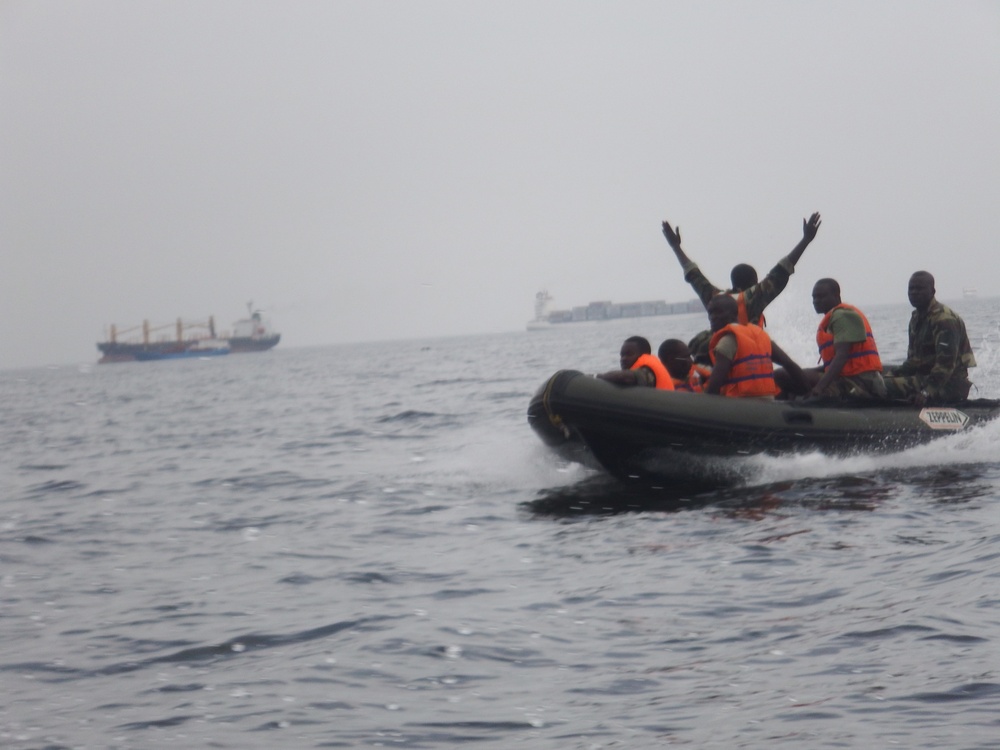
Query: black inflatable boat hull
x=628, y=430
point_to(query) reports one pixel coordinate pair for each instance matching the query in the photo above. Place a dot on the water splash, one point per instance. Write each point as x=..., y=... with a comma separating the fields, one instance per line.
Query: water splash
x=980, y=445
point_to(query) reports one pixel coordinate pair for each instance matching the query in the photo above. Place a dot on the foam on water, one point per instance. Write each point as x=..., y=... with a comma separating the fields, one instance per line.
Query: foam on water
x=979, y=445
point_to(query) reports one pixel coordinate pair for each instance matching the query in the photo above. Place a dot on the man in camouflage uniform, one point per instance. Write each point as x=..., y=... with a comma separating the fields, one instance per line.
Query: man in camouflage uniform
x=938, y=358
x=756, y=294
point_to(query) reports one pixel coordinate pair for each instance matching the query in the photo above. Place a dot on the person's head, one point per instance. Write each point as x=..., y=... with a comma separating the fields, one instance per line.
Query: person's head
x=633, y=348
x=676, y=357
x=742, y=277
x=826, y=295
x=722, y=310
x=921, y=290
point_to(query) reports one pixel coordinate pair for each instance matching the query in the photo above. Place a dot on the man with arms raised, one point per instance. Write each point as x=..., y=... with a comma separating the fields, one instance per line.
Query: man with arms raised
x=751, y=295
x=939, y=355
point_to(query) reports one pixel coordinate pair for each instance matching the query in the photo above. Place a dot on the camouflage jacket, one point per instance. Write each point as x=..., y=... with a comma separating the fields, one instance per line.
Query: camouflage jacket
x=939, y=350
x=757, y=297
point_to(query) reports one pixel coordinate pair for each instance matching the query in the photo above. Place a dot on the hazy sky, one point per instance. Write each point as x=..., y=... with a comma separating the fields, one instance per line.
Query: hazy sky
x=383, y=170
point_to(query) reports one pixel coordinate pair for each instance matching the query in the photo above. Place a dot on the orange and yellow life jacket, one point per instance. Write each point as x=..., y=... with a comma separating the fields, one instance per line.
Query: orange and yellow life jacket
x=663, y=380
x=696, y=380
x=752, y=373
x=864, y=354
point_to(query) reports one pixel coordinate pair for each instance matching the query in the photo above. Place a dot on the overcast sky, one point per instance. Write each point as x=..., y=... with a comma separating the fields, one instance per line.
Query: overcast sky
x=384, y=170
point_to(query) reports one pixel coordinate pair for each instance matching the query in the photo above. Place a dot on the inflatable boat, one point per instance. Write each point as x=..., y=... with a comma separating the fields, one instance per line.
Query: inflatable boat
x=643, y=432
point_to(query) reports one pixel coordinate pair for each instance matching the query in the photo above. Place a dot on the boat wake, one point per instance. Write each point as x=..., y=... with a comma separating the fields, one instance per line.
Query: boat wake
x=980, y=445
x=754, y=485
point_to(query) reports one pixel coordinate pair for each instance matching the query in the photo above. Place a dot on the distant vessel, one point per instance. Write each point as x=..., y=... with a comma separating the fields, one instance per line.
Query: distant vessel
x=190, y=340
x=969, y=292
x=541, y=319
x=604, y=310
x=197, y=350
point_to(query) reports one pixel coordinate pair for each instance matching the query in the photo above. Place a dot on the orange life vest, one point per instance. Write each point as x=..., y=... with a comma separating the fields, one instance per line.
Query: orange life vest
x=741, y=312
x=752, y=373
x=864, y=354
x=663, y=380
x=696, y=380
x=742, y=316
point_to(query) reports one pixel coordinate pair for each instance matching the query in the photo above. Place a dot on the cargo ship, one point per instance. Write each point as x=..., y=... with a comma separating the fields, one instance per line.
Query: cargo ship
x=190, y=339
x=604, y=310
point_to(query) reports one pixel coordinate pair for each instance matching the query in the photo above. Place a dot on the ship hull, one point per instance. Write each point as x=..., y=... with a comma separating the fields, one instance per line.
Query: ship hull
x=114, y=351
x=149, y=356
x=242, y=344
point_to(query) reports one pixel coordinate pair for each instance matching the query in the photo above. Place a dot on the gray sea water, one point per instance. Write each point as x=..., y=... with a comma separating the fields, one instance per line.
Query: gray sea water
x=366, y=546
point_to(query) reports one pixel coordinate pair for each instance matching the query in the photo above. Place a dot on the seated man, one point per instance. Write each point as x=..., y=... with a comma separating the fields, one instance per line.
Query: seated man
x=752, y=295
x=939, y=355
x=851, y=364
x=686, y=375
x=639, y=367
x=742, y=355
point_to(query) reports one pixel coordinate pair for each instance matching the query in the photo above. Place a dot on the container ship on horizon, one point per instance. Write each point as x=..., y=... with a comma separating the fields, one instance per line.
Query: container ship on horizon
x=604, y=310
x=252, y=334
